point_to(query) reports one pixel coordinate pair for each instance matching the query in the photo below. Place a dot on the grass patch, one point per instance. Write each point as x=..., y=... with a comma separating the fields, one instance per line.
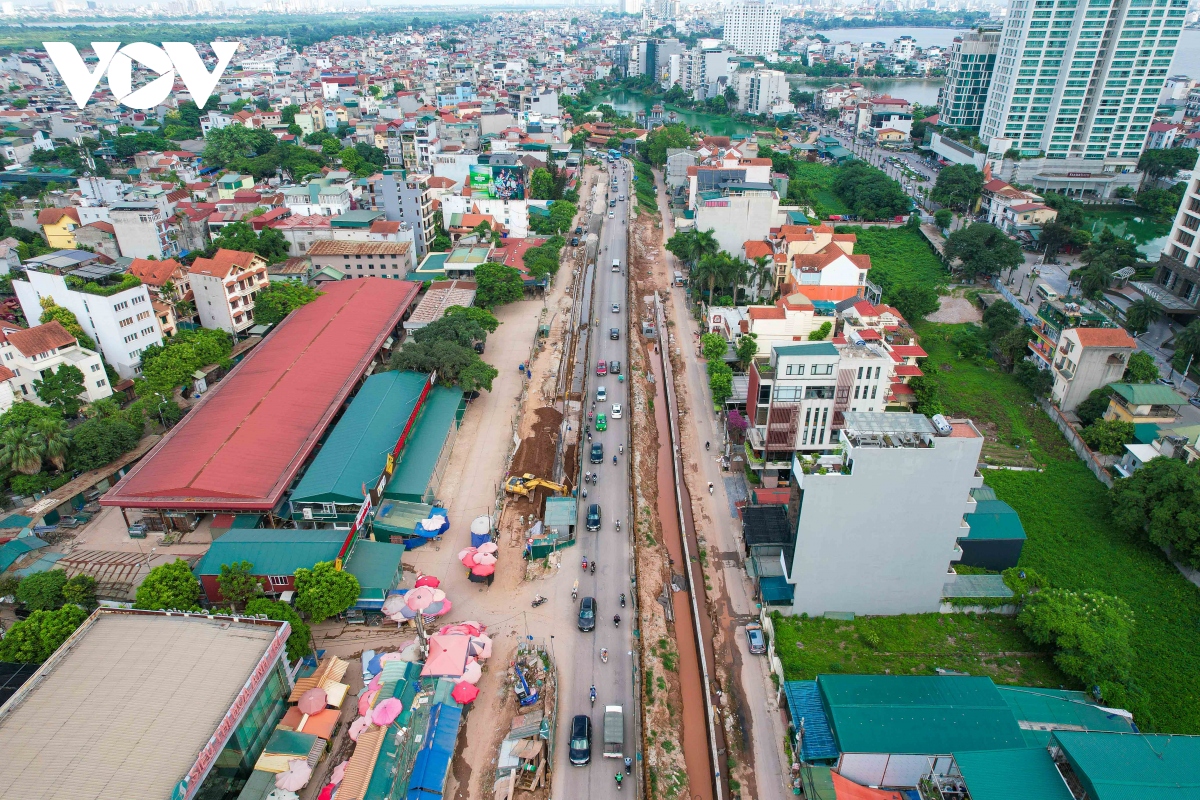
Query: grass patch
x=913, y=644
x=819, y=178
x=1071, y=538
x=900, y=257
x=643, y=187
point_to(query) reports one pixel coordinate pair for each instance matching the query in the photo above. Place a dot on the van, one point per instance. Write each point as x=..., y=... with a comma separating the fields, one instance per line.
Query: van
x=1046, y=293
x=678, y=279
x=616, y=265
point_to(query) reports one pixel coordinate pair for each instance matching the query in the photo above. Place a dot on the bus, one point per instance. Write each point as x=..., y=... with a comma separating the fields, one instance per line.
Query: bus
x=1046, y=293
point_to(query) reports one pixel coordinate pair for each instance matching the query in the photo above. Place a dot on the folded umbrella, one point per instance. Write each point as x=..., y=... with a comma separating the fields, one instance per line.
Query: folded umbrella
x=358, y=726
x=473, y=672
x=338, y=773
x=364, y=702
x=481, y=646
x=466, y=551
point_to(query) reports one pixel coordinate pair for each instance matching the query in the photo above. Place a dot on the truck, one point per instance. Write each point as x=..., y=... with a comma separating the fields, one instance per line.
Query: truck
x=614, y=732
x=616, y=267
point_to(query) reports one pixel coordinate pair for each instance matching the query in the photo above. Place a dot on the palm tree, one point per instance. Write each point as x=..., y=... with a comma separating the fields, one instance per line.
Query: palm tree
x=706, y=244
x=738, y=271
x=19, y=452
x=1187, y=344
x=706, y=270
x=763, y=273
x=1141, y=315
x=1095, y=278
x=51, y=438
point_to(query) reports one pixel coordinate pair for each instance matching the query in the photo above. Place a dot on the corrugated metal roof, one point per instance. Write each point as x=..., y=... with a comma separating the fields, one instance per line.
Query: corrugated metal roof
x=804, y=703
x=356, y=450
x=917, y=714
x=1029, y=774
x=1148, y=394
x=241, y=446
x=272, y=552
x=1041, y=711
x=994, y=519
x=1131, y=766
x=376, y=565
x=420, y=454
x=977, y=586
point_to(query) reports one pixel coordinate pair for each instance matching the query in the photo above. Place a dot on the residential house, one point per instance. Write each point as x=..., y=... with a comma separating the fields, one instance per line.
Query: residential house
x=10, y=255
x=364, y=259
x=225, y=286
x=29, y=355
x=325, y=196
x=1087, y=359
x=1025, y=220
x=58, y=226
x=1144, y=402
x=101, y=236
x=143, y=230
x=231, y=183
x=170, y=287
x=997, y=196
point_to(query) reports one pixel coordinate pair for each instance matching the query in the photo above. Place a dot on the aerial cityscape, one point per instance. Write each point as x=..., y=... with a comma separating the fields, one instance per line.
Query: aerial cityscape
x=593, y=399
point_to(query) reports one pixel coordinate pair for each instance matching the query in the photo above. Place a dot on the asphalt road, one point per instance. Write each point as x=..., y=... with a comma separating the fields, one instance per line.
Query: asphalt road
x=579, y=653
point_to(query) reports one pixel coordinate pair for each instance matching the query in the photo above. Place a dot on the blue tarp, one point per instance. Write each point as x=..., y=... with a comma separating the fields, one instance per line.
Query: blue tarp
x=422, y=531
x=479, y=538
x=804, y=703
x=433, y=759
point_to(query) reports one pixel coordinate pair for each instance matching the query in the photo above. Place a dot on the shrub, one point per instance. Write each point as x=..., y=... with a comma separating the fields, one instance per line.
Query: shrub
x=1090, y=633
x=820, y=333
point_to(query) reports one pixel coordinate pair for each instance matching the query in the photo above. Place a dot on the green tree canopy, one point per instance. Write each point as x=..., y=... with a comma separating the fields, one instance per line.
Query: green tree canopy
x=169, y=587
x=541, y=184
x=454, y=363
x=999, y=318
x=298, y=640
x=171, y=365
x=1108, y=436
x=35, y=639
x=1141, y=368
x=1038, y=381
x=281, y=298
x=43, y=591
x=80, y=590
x=663, y=138
x=1166, y=163
x=496, y=285
x=747, y=347
x=101, y=441
x=713, y=346
x=1094, y=406
x=915, y=302
x=943, y=217
x=958, y=186
x=238, y=584
x=269, y=243
x=983, y=249
x=62, y=389
x=1162, y=501
x=1141, y=314
x=323, y=591
x=869, y=192
x=1089, y=631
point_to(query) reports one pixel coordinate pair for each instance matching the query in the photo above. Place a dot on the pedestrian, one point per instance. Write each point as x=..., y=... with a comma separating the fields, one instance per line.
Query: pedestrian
x=710, y=487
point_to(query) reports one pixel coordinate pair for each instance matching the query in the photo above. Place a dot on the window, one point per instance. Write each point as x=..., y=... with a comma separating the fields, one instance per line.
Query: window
x=279, y=580
x=328, y=508
x=822, y=369
x=860, y=370
x=99, y=383
x=95, y=367
x=873, y=388
x=126, y=322
x=856, y=388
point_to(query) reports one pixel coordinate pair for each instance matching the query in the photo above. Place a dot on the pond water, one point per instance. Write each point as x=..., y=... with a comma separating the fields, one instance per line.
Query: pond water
x=627, y=102
x=1149, y=235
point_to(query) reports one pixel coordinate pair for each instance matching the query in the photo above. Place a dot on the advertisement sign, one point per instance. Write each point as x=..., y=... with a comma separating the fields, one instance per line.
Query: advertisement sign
x=496, y=182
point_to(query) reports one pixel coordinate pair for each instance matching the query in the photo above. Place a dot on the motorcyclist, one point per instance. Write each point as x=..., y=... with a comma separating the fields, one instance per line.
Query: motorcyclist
x=593, y=694
x=622, y=599
x=614, y=460
x=616, y=620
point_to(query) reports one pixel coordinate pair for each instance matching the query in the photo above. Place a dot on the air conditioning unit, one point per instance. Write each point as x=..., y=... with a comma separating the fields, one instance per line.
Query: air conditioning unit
x=307, y=513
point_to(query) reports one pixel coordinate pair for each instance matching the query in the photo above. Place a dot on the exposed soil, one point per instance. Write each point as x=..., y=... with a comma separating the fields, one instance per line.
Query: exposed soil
x=536, y=457
x=956, y=309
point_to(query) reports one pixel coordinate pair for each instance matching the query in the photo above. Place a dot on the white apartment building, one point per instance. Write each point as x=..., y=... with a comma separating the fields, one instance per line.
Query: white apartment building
x=27, y=355
x=707, y=71
x=143, y=230
x=969, y=71
x=790, y=403
x=121, y=324
x=1079, y=83
x=324, y=196
x=760, y=91
x=225, y=287
x=1086, y=359
x=877, y=533
x=753, y=27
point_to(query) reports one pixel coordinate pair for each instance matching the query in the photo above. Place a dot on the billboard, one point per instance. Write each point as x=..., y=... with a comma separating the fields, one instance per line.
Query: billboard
x=497, y=182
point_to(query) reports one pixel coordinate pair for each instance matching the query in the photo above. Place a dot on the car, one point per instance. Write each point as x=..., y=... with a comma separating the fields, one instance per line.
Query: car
x=597, y=456
x=581, y=740
x=616, y=410
x=1166, y=382
x=587, y=614
x=601, y=394
x=616, y=308
x=601, y=367
x=614, y=367
x=612, y=203
x=593, y=517
x=601, y=423
x=1194, y=401
x=579, y=230
x=756, y=639
x=614, y=333
x=610, y=215
x=621, y=198
x=574, y=241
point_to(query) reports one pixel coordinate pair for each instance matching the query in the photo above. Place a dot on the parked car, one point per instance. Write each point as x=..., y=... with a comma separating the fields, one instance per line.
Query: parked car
x=574, y=241
x=597, y=456
x=756, y=638
x=593, y=517
x=601, y=367
x=579, y=230
x=581, y=740
x=616, y=411
x=587, y=614
x=614, y=367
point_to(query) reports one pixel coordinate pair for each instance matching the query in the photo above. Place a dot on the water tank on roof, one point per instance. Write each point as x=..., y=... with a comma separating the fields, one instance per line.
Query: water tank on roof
x=941, y=425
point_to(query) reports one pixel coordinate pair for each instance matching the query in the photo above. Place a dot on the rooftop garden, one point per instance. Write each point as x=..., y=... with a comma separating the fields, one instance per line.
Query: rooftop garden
x=106, y=289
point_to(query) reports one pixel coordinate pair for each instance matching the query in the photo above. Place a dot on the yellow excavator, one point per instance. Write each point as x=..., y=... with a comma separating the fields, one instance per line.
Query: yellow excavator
x=524, y=484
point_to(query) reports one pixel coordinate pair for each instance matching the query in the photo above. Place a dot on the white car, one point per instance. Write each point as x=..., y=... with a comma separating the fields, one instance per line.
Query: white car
x=610, y=215
x=601, y=394
x=616, y=411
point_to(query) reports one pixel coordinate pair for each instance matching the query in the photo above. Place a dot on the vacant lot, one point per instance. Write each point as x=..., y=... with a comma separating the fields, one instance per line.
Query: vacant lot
x=899, y=257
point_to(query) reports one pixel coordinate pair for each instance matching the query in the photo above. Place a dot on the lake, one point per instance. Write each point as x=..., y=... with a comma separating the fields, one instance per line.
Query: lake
x=914, y=90
x=630, y=103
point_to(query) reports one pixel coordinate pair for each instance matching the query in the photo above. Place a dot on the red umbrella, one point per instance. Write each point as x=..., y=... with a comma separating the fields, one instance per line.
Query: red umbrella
x=464, y=692
x=428, y=580
x=483, y=570
x=313, y=701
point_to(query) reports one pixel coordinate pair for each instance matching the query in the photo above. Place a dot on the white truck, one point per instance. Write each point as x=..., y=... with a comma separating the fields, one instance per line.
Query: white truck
x=614, y=732
x=616, y=265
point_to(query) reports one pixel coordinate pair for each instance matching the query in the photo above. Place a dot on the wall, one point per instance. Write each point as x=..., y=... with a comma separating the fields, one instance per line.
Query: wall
x=1077, y=444
x=737, y=220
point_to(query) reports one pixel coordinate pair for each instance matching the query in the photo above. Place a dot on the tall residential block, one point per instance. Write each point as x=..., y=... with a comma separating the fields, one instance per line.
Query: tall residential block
x=1176, y=283
x=753, y=27
x=406, y=198
x=1078, y=82
x=972, y=60
x=878, y=526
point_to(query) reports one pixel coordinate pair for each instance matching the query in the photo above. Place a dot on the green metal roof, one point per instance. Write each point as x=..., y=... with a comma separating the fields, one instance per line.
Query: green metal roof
x=414, y=470
x=356, y=219
x=811, y=349
x=1039, y=711
x=1132, y=766
x=272, y=552
x=994, y=519
x=1145, y=432
x=356, y=450
x=561, y=512
x=1148, y=394
x=917, y=714
x=377, y=567
x=1029, y=774
x=12, y=551
x=977, y=586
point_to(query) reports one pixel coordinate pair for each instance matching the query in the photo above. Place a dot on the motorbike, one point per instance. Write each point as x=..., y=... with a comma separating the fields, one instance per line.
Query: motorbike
x=628, y=765
x=538, y=600
x=575, y=590
x=622, y=599
x=614, y=461
x=593, y=695
x=618, y=526
x=619, y=776
x=592, y=568
x=604, y=655
x=616, y=620
x=585, y=564
x=706, y=445
x=621, y=448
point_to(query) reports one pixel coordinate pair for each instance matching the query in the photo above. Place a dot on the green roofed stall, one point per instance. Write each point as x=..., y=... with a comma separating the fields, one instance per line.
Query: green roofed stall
x=376, y=565
x=1125, y=766
x=422, y=461
x=1029, y=774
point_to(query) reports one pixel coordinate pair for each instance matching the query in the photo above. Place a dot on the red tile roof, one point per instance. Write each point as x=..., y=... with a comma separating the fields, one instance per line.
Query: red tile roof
x=242, y=445
x=221, y=263
x=52, y=216
x=908, y=371
x=909, y=351
x=41, y=338
x=766, y=312
x=102, y=225
x=154, y=273
x=1105, y=337
x=757, y=249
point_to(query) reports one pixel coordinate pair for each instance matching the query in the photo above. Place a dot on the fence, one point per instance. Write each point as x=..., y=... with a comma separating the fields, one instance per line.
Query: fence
x=1077, y=444
x=1026, y=314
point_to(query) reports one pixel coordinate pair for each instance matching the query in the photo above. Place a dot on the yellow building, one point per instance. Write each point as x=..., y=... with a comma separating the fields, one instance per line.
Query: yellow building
x=58, y=226
x=1144, y=402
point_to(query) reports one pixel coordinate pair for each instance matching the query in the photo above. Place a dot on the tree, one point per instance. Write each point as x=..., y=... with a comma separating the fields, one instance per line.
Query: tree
x=455, y=363
x=1013, y=345
x=35, y=639
x=81, y=591
x=66, y=318
x=720, y=381
x=943, y=217
x=747, y=348
x=1141, y=368
x=661, y=139
x=43, y=591
x=1157, y=164
x=1141, y=314
x=982, y=249
x=958, y=186
x=1055, y=236
x=968, y=340
x=169, y=587
x=323, y=591
x=821, y=333
x=1094, y=278
x=1108, y=436
x=1094, y=406
x=1111, y=251
x=238, y=584
x=281, y=298
x=1089, y=631
x=713, y=346
x=915, y=302
x=269, y=243
x=19, y=452
x=868, y=192
x=998, y=319
x=97, y=442
x=298, y=640
x=1037, y=381
x=496, y=284
x=1161, y=501
x=287, y=115
x=476, y=316
x=541, y=184
x=52, y=439
x=1187, y=346
x=61, y=389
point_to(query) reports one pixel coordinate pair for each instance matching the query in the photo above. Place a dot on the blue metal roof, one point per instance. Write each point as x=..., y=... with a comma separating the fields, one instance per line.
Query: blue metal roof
x=804, y=704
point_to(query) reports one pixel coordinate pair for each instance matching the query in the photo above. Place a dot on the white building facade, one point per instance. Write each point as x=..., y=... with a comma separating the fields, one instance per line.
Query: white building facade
x=753, y=28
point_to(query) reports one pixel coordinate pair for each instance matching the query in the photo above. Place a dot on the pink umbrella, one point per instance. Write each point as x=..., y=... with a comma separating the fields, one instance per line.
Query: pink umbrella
x=386, y=657
x=438, y=594
x=434, y=608
x=446, y=606
x=313, y=701
x=393, y=604
x=417, y=599
x=296, y=777
x=481, y=646
x=464, y=692
x=364, y=702
x=468, y=560
x=489, y=547
x=338, y=773
x=464, y=553
x=477, y=627
x=429, y=580
x=485, y=558
x=483, y=570
x=358, y=726
x=373, y=686
x=327, y=792
x=386, y=712
x=473, y=672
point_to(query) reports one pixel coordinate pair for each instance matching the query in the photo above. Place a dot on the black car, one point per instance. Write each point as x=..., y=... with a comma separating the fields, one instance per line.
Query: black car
x=587, y=614
x=579, y=230
x=614, y=333
x=597, y=453
x=593, y=517
x=614, y=367
x=581, y=740
x=574, y=241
